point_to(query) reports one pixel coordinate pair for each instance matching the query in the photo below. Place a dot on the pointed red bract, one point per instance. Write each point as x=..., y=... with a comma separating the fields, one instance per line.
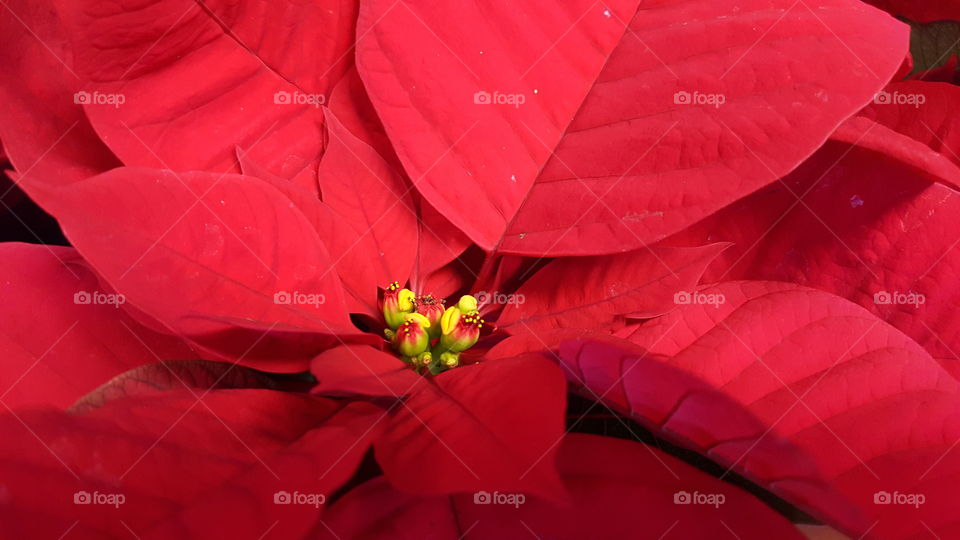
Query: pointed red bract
x=373, y=200
x=868, y=229
x=684, y=410
x=45, y=133
x=598, y=161
x=592, y=292
x=870, y=406
x=170, y=86
x=363, y=371
x=308, y=43
x=205, y=253
x=179, y=463
x=620, y=489
x=62, y=334
x=492, y=426
x=924, y=112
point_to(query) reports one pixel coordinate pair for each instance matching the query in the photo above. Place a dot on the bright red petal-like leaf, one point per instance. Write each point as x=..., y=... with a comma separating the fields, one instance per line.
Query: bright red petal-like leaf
x=874, y=410
x=866, y=133
x=430, y=96
x=286, y=499
x=45, y=132
x=620, y=489
x=373, y=199
x=356, y=370
x=868, y=229
x=170, y=86
x=306, y=42
x=350, y=251
x=592, y=292
x=188, y=249
x=584, y=165
x=923, y=111
x=680, y=407
x=441, y=243
x=61, y=333
x=491, y=426
x=168, y=453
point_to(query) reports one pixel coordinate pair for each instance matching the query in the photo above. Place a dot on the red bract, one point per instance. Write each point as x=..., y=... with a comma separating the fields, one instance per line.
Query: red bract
x=359, y=269
x=634, y=140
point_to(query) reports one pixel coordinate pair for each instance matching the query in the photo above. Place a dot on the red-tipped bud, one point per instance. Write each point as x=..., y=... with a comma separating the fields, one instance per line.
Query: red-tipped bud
x=459, y=331
x=397, y=304
x=411, y=338
x=432, y=309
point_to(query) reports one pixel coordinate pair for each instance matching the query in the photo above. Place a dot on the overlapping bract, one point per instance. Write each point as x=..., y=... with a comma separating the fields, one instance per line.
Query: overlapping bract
x=268, y=168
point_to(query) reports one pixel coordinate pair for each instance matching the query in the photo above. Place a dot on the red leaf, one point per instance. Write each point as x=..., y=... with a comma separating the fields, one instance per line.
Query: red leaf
x=58, y=337
x=373, y=201
x=362, y=371
x=866, y=226
x=689, y=412
x=923, y=111
x=441, y=244
x=205, y=253
x=876, y=413
x=620, y=490
x=866, y=133
x=490, y=426
x=350, y=251
x=618, y=162
x=592, y=292
x=317, y=464
x=181, y=464
x=308, y=43
x=193, y=90
x=45, y=133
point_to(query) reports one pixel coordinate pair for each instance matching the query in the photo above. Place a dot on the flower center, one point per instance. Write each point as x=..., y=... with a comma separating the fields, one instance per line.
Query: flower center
x=426, y=335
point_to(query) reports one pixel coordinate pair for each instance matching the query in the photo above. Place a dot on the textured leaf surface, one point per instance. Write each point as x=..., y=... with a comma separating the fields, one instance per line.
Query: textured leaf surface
x=57, y=340
x=362, y=371
x=619, y=490
x=607, y=152
x=873, y=409
x=45, y=133
x=591, y=293
x=492, y=426
x=366, y=193
x=183, y=466
x=218, y=253
x=867, y=228
x=193, y=89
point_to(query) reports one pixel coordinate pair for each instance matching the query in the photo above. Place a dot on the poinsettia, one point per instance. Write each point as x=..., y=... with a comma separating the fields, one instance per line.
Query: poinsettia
x=335, y=268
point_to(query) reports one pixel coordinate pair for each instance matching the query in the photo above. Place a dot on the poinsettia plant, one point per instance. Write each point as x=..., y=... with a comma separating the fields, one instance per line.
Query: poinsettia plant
x=433, y=269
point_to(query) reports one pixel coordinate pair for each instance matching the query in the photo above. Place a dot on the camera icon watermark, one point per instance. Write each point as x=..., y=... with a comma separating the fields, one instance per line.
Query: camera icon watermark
x=282, y=97
x=709, y=499
x=109, y=499
x=297, y=298
x=97, y=298
x=687, y=298
x=897, y=298
x=97, y=98
x=907, y=499
x=697, y=98
x=310, y=499
x=510, y=499
x=483, y=97
x=498, y=298
x=898, y=98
